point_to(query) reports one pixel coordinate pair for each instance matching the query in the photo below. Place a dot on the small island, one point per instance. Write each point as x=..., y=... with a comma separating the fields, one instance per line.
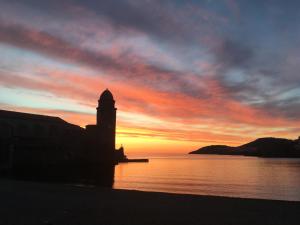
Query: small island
x=262, y=147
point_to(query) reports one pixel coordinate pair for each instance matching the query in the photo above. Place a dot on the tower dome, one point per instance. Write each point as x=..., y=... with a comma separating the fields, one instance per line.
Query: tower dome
x=106, y=95
x=106, y=106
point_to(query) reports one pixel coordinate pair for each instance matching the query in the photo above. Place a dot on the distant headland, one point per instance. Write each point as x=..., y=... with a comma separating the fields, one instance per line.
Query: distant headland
x=262, y=147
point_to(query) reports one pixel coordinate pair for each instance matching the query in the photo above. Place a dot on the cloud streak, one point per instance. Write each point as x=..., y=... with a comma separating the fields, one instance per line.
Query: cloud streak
x=184, y=71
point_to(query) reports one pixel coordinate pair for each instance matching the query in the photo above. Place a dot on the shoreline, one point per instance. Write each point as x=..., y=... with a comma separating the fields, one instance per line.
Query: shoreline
x=207, y=196
x=33, y=203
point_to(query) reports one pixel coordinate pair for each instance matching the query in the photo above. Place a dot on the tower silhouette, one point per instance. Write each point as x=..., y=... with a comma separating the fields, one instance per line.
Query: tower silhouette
x=101, y=141
x=106, y=119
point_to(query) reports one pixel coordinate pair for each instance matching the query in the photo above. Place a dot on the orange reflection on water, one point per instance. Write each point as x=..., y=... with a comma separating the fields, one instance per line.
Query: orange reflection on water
x=235, y=176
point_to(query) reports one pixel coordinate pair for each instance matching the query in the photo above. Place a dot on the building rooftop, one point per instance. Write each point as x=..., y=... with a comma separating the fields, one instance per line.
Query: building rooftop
x=36, y=117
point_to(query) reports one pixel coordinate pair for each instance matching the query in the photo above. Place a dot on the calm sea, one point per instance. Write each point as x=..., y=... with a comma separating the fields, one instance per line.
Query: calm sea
x=234, y=176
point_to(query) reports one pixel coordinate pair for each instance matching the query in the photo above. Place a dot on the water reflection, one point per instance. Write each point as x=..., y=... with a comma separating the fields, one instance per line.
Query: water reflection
x=235, y=176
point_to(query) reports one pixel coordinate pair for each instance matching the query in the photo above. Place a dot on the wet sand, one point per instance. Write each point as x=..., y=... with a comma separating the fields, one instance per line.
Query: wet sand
x=62, y=204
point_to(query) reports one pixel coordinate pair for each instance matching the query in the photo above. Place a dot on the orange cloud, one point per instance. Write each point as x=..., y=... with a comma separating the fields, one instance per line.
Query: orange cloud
x=158, y=117
x=157, y=104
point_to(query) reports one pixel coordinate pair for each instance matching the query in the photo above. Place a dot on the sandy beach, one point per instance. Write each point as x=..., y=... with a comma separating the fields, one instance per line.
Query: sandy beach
x=64, y=204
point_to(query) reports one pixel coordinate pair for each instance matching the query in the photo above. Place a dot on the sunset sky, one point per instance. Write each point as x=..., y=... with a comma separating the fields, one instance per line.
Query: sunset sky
x=184, y=74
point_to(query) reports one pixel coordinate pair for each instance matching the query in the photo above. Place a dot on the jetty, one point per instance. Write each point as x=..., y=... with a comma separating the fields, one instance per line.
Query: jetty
x=134, y=160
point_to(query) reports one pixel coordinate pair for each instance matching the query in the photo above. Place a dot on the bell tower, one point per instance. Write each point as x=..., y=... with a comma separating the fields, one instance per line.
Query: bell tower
x=106, y=119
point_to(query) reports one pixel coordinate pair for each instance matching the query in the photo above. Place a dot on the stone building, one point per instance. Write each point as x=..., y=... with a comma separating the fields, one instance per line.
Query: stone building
x=44, y=147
